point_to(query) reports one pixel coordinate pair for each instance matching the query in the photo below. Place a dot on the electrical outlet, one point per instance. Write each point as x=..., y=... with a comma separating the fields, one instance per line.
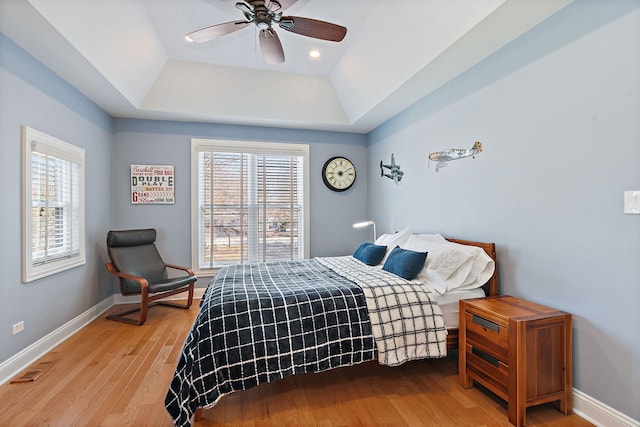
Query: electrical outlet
x=17, y=328
x=632, y=202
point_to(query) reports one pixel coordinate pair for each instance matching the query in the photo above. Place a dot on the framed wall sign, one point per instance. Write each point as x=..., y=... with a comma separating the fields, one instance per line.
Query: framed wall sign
x=152, y=184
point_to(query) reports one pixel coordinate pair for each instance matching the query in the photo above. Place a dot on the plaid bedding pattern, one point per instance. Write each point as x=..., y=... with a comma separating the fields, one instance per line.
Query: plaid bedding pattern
x=406, y=323
x=262, y=322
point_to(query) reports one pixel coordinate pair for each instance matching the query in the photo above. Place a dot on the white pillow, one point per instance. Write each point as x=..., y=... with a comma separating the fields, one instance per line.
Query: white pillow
x=451, y=264
x=432, y=281
x=424, y=242
x=482, y=267
x=447, y=267
x=393, y=240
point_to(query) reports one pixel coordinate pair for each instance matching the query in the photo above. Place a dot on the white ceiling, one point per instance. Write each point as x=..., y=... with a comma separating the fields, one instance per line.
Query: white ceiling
x=130, y=56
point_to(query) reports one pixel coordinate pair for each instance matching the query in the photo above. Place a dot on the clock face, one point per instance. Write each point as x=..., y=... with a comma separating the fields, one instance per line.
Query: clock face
x=338, y=173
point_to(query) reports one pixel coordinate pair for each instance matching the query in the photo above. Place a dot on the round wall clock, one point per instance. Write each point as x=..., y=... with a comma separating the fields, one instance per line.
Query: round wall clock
x=338, y=173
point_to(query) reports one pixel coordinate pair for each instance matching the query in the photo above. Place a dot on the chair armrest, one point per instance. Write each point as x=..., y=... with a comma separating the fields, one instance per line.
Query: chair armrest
x=179, y=267
x=141, y=280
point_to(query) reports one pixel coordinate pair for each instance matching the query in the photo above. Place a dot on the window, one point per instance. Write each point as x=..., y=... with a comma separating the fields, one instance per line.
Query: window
x=53, y=205
x=249, y=202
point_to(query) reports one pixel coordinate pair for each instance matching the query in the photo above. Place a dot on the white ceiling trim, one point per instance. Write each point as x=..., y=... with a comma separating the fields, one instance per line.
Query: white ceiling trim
x=228, y=94
x=116, y=37
x=128, y=56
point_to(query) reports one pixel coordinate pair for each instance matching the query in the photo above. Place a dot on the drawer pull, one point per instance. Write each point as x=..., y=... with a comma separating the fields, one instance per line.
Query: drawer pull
x=486, y=357
x=486, y=323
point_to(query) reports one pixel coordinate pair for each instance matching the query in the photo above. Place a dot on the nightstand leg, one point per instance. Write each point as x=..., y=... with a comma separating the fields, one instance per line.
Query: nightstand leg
x=464, y=379
x=517, y=414
x=518, y=373
x=566, y=403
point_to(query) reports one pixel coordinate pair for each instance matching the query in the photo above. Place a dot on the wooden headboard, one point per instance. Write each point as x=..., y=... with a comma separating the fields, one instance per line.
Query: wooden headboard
x=492, y=287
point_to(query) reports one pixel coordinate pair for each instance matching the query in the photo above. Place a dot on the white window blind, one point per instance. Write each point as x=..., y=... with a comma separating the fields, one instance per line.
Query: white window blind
x=53, y=184
x=250, y=203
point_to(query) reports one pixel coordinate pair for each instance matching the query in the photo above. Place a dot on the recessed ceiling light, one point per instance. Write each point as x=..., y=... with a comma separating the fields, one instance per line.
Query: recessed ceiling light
x=314, y=53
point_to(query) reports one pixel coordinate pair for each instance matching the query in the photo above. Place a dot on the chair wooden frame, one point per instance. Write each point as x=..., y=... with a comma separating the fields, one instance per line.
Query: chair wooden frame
x=149, y=299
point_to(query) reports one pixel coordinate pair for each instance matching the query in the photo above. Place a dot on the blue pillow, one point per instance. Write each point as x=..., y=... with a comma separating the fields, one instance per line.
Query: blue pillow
x=369, y=253
x=404, y=263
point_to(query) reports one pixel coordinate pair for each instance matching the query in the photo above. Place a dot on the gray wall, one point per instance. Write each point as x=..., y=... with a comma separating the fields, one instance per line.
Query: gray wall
x=31, y=95
x=153, y=142
x=558, y=112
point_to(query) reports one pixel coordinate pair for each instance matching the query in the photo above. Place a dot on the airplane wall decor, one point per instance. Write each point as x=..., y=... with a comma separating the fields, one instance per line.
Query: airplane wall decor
x=394, y=173
x=442, y=158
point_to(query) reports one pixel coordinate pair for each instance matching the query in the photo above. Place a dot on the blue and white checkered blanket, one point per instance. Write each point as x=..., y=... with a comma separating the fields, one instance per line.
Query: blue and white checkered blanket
x=265, y=321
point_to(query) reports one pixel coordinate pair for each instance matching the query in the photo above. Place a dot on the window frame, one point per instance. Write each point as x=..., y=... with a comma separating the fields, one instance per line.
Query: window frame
x=257, y=147
x=35, y=141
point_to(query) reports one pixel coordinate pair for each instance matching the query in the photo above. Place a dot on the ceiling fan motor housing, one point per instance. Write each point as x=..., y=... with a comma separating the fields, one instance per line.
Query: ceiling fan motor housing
x=259, y=13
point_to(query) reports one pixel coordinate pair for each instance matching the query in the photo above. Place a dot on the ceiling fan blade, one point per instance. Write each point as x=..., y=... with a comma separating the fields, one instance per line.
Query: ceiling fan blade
x=279, y=5
x=271, y=47
x=313, y=28
x=215, y=31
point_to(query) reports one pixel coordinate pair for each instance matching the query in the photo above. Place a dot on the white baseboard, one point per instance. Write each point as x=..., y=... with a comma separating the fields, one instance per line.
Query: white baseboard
x=20, y=361
x=598, y=413
x=584, y=406
x=17, y=363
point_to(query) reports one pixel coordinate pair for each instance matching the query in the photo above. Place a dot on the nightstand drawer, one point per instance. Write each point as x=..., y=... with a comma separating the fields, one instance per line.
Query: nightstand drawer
x=491, y=336
x=490, y=371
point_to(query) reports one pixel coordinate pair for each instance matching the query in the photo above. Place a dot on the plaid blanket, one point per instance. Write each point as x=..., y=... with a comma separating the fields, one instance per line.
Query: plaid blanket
x=265, y=321
x=406, y=323
x=262, y=322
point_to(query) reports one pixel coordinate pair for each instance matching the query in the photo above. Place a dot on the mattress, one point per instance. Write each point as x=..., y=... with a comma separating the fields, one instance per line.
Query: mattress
x=450, y=306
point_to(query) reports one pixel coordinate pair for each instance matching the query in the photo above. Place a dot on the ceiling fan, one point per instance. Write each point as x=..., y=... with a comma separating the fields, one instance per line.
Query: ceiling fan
x=264, y=14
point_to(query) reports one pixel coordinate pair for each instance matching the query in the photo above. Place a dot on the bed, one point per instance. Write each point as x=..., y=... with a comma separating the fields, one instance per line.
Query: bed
x=263, y=322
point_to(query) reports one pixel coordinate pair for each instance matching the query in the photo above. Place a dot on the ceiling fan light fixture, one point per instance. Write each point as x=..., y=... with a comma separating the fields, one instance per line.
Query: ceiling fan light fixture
x=244, y=7
x=273, y=5
x=286, y=23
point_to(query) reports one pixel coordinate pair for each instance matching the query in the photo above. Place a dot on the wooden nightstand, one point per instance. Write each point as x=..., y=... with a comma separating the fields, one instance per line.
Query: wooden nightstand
x=519, y=350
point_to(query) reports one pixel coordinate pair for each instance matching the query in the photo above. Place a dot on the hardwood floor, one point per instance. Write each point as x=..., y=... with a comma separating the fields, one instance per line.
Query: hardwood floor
x=113, y=374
